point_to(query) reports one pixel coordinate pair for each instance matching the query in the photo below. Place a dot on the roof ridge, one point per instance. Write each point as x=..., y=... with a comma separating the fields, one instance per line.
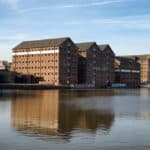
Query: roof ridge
x=41, y=43
x=103, y=46
x=84, y=45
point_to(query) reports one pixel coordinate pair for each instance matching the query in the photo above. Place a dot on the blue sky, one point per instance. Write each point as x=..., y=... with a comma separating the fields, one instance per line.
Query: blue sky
x=124, y=24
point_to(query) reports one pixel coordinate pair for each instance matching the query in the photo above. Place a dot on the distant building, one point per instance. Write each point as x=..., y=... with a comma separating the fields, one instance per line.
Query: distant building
x=108, y=68
x=5, y=65
x=144, y=61
x=5, y=75
x=90, y=64
x=52, y=60
x=127, y=71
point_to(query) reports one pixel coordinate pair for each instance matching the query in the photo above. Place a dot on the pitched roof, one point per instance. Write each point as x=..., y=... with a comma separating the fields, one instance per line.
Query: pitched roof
x=84, y=46
x=103, y=46
x=41, y=43
x=125, y=59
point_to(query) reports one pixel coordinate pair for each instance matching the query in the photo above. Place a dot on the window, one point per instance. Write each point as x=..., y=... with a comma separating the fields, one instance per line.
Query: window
x=94, y=55
x=94, y=49
x=68, y=70
x=94, y=62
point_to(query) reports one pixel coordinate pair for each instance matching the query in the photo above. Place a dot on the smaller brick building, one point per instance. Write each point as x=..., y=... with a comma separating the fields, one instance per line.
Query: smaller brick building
x=127, y=71
x=144, y=61
x=6, y=76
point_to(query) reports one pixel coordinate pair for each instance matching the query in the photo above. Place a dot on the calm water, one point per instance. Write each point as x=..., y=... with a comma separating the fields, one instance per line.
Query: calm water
x=70, y=120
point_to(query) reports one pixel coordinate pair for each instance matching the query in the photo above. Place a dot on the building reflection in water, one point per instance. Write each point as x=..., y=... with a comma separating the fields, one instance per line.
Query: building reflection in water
x=145, y=92
x=48, y=113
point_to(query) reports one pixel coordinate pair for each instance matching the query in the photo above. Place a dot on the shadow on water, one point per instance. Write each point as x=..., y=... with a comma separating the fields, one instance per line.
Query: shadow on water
x=58, y=114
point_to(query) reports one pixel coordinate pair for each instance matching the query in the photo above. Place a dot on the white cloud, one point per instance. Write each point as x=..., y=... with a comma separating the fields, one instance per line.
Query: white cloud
x=106, y=2
x=69, y=6
x=12, y=3
x=140, y=21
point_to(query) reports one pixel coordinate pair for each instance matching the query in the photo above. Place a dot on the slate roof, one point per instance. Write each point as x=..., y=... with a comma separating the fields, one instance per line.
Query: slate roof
x=125, y=59
x=103, y=46
x=84, y=46
x=41, y=43
x=144, y=56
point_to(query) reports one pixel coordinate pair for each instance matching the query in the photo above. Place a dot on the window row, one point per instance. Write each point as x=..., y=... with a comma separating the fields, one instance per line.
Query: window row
x=49, y=73
x=42, y=67
x=52, y=81
x=38, y=61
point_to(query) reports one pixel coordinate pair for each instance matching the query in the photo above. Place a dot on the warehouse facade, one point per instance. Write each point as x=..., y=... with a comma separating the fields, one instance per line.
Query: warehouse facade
x=108, y=69
x=90, y=63
x=53, y=61
x=127, y=71
x=144, y=61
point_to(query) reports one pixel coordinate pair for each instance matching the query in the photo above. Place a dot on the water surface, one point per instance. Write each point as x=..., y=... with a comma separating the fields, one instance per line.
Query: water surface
x=70, y=120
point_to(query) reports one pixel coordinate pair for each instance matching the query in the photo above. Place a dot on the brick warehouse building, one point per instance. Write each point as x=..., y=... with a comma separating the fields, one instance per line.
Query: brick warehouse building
x=127, y=71
x=90, y=64
x=108, y=68
x=144, y=61
x=54, y=61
